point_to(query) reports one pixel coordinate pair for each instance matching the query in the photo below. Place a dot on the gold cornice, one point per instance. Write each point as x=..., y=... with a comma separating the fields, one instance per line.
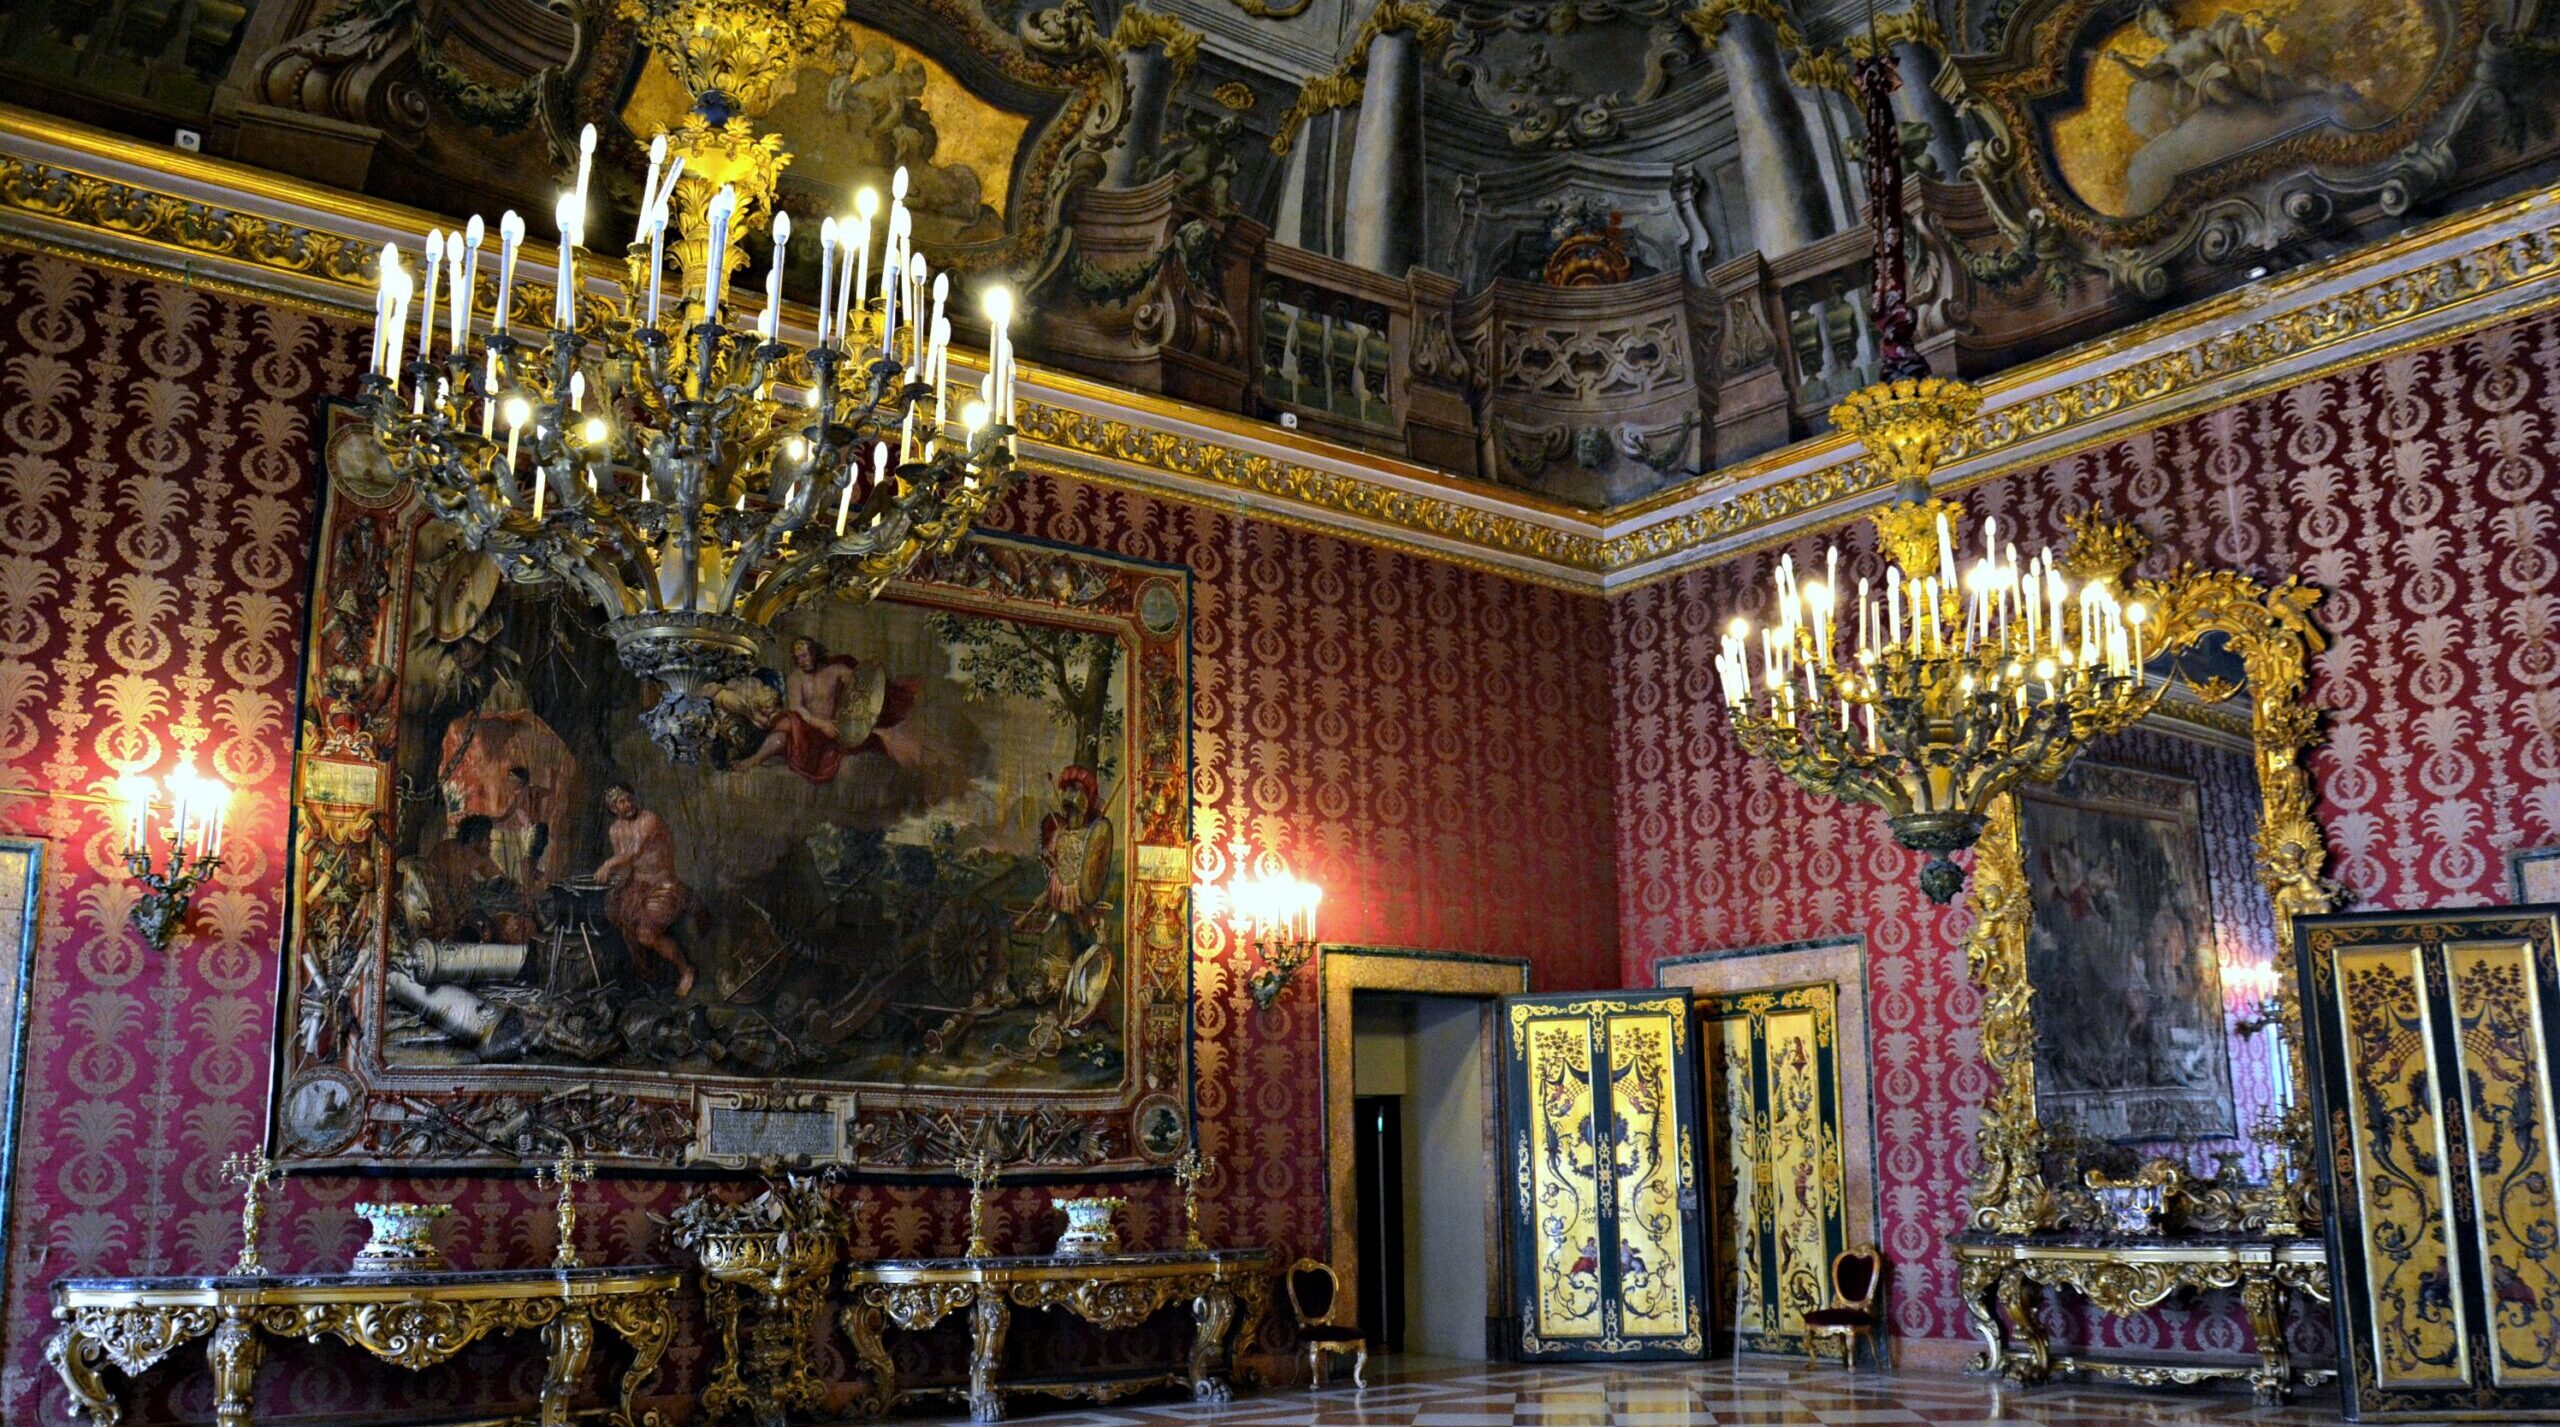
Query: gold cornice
x=141, y=208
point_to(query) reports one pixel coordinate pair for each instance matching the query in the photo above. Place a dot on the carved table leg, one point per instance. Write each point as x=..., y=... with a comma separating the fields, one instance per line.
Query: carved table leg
x=864, y=1324
x=723, y=1304
x=234, y=1354
x=571, y=1340
x=2018, y=1294
x=1979, y=1283
x=987, y=1321
x=646, y=1322
x=75, y=1357
x=1256, y=1291
x=1213, y=1312
x=2264, y=1299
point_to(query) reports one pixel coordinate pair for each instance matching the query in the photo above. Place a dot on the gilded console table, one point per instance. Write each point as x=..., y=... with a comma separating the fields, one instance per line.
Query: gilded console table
x=2121, y=1275
x=411, y=1320
x=1108, y=1290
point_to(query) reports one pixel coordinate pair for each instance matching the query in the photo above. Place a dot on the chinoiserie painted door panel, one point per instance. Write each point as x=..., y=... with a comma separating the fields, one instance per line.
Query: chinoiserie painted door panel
x=1604, y=1190
x=1777, y=1183
x=2429, y=1038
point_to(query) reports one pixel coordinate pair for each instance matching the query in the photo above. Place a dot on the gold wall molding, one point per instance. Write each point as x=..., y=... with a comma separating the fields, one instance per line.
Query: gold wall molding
x=79, y=193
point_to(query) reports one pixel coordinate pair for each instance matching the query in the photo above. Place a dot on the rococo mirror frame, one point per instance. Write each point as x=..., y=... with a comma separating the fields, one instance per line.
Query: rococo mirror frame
x=2271, y=631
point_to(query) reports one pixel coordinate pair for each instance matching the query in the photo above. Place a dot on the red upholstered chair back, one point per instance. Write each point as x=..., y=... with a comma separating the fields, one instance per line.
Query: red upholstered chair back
x=1855, y=1275
x=1312, y=1290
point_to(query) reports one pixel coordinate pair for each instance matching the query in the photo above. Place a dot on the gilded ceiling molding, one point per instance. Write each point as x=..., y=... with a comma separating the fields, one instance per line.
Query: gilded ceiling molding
x=141, y=208
x=1340, y=89
x=1708, y=19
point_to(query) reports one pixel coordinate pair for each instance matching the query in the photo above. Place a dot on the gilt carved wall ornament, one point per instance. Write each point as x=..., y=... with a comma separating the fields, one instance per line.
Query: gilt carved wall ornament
x=2270, y=630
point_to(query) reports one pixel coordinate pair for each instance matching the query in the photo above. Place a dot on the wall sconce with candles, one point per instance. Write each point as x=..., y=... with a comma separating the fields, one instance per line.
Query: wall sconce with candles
x=2252, y=991
x=193, y=831
x=1275, y=914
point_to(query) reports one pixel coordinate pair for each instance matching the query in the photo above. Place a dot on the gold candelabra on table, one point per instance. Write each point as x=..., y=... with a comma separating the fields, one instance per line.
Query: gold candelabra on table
x=565, y=1175
x=253, y=1171
x=979, y=1169
x=1189, y=1171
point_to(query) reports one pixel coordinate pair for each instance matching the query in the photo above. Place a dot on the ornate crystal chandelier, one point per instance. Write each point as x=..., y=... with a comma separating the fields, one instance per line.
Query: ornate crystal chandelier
x=664, y=454
x=1945, y=690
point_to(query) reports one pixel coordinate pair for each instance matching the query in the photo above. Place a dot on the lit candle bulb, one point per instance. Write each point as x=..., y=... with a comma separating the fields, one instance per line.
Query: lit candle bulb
x=649, y=185
x=889, y=308
x=466, y=283
x=844, y=503
x=386, y=270
x=510, y=239
x=427, y=313
x=518, y=412
x=826, y=278
x=564, y=289
x=866, y=202
x=723, y=205
x=773, y=276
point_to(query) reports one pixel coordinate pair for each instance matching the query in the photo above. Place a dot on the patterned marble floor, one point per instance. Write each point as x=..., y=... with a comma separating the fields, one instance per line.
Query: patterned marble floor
x=1755, y=1393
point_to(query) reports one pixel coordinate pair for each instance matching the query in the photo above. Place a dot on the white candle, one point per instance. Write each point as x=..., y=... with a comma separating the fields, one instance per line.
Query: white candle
x=564, y=292
x=510, y=238
x=649, y=185
x=1893, y=599
x=586, y=162
x=723, y=204
x=773, y=277
x=844, y=503
x=386, y=270
x=1946, y=554
x=427, y=313
x=865, y=203
x=466, y=287
x=826, y=278
x=889, y=307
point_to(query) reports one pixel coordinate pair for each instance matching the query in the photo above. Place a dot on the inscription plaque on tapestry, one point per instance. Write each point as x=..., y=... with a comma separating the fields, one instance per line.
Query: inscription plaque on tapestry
x=2130, y=1041
x=901, y=915
x=2428, y=1037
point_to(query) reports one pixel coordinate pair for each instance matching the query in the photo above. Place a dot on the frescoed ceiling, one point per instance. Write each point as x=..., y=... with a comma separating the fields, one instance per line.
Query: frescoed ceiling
x=1587, y=251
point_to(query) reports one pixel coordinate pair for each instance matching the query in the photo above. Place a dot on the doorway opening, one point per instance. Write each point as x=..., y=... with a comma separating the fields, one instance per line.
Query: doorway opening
x=1425, y=1136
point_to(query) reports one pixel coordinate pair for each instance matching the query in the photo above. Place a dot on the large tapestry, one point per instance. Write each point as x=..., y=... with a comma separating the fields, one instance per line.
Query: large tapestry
x=2121, y=952
x=932, y=899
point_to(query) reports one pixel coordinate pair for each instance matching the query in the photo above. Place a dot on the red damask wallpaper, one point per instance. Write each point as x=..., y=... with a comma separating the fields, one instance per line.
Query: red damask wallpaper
x=1422, y=740
x=2421, y=493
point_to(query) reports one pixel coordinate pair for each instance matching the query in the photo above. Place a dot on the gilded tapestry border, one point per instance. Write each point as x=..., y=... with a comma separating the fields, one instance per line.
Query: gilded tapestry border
x=344, y=888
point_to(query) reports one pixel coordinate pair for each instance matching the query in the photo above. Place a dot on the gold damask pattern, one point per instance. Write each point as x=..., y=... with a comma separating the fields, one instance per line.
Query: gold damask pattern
x=2399, y=1155
x=2506, y=1101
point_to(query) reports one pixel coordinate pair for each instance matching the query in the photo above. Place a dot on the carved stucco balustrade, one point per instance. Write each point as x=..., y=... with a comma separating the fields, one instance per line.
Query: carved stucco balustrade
x=1597, y=394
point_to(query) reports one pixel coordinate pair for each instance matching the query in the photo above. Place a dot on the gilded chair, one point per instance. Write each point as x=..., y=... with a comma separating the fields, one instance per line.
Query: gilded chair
x=1857, y=1277
x=1315, y=1293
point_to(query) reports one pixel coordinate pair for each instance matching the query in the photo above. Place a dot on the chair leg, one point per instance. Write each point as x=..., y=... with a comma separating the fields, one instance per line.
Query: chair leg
x=1315, y=1367
x=1360, y=1365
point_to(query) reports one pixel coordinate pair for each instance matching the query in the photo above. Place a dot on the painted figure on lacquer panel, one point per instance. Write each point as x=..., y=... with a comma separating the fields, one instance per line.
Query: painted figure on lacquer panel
x=2399, y=1165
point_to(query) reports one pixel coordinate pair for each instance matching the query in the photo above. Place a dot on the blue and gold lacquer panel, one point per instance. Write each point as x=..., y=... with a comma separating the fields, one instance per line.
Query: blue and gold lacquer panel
x=2429, y=1038
x=1604, y=1147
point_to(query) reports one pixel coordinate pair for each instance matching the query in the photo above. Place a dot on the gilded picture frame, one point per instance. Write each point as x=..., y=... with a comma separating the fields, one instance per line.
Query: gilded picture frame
x=2271, y=631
